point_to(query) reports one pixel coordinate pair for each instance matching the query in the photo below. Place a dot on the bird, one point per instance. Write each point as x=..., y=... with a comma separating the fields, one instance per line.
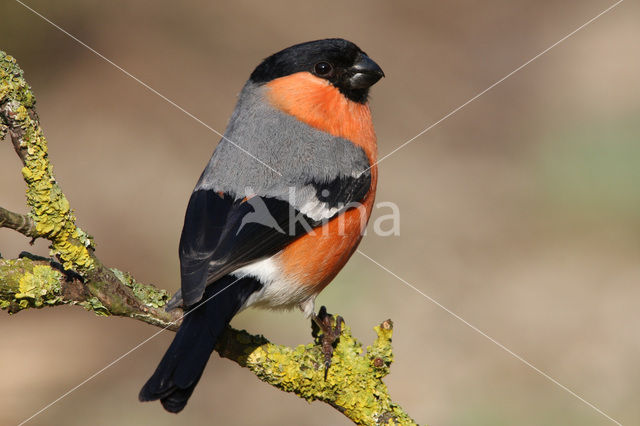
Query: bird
x=280, y=207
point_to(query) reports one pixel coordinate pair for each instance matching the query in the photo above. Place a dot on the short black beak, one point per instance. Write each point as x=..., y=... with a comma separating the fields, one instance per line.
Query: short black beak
x=365, y=73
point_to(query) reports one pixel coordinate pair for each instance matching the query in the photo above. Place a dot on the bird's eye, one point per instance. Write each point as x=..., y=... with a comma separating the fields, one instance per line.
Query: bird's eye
x=323, y=68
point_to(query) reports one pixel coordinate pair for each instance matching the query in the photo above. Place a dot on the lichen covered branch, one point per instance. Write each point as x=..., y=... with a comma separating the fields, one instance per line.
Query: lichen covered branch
x=353, y=384
x=50, y=210
x=50, y=215
x=33, y=282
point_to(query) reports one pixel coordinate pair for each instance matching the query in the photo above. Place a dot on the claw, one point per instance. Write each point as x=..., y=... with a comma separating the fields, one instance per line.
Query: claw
x=330, y=334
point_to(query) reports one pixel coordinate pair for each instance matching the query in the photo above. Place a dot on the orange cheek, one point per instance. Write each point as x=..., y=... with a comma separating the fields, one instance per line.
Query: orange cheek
x=316, y=102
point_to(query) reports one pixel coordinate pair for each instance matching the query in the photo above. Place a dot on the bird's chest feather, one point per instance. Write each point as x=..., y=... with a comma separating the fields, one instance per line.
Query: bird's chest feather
x=314, y=259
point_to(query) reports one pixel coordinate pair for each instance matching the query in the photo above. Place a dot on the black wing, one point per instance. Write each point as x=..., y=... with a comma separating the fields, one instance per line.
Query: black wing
x=222, y=234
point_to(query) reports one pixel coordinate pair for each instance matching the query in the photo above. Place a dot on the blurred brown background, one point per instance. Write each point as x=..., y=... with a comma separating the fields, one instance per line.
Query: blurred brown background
x=521, y=212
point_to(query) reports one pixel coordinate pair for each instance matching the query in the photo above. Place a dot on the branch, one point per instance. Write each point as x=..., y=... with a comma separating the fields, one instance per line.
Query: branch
x=354, y=384
x=19, y=222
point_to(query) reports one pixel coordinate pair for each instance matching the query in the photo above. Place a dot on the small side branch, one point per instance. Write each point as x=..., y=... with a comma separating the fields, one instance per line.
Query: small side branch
x=18, y=222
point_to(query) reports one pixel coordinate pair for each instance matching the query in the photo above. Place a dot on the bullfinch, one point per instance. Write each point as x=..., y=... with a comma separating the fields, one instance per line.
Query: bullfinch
x=280, y=207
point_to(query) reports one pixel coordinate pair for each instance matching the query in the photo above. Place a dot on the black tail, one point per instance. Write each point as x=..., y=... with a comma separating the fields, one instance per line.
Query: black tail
x=181, y=367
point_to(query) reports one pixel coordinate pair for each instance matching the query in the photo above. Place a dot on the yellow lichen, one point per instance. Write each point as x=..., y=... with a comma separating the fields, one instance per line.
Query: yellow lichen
x=38, y=287
x=50, y=209
x=353, y=383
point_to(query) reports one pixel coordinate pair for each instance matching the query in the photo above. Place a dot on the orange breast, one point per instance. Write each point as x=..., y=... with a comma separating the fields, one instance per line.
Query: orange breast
x=316, y=258
x=316, y=102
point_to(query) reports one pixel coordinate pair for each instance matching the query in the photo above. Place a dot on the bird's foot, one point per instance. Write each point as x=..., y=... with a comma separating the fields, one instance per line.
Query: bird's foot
x=331, y=329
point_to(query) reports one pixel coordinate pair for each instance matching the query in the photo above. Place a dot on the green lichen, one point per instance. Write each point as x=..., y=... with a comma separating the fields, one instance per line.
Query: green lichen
x=149, y=295
x=94, y=304
x=49, y=207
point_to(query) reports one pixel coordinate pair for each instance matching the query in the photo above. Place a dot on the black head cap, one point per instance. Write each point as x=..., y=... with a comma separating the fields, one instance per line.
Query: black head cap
x=336, y=60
